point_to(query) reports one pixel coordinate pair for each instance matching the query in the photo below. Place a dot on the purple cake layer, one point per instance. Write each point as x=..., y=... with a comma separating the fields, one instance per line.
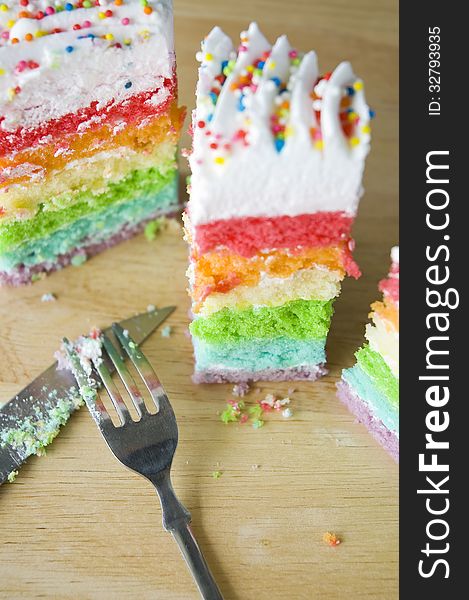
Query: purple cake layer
x=88, y=249
x=306, y=373
x=360, y=410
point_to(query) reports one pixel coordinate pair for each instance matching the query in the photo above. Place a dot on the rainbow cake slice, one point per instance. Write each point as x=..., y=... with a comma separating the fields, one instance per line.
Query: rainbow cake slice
x=277, y=162
x=370, y=389
x=89, y=126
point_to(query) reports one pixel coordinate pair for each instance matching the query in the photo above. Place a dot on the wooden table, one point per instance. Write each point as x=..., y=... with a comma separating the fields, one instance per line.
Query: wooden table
x=77, y=525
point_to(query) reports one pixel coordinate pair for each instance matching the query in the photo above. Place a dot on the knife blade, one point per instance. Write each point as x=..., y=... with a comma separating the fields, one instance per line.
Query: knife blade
x=50, y=396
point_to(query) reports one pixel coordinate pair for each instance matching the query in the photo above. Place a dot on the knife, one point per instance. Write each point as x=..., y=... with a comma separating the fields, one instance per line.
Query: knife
x=48, y=401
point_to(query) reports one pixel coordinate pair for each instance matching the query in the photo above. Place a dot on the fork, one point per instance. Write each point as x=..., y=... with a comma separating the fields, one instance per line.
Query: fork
x=146, y=446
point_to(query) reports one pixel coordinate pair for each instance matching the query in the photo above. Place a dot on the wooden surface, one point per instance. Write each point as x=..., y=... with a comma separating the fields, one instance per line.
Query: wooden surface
x=78, y=525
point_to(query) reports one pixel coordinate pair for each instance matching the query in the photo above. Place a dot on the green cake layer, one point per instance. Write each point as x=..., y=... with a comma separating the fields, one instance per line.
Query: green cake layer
x=137, y=184
x=298, y=320
x=380, y=374
x=97, y=225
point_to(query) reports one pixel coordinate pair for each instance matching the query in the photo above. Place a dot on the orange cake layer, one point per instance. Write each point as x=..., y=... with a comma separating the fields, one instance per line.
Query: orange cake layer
x=388, y=311
x=222, y=271
x=44, y=160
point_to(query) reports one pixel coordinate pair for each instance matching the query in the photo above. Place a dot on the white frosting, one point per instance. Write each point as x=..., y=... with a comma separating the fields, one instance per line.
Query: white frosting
x=255, y=179
x=95, y=70
x=395, y=254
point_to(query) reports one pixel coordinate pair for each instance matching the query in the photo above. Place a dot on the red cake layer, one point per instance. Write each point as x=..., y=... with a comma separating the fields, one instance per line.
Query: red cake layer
x=133, y=109
x=249, y=235
x=390, y=286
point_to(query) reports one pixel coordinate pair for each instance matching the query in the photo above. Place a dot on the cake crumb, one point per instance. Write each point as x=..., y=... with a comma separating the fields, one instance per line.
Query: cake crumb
x=166, y=331
x=49, y=297
x=241, y=389
x=12, y=476
x=270, y=402
x=151, y=308
x=125, y=333
x=217, y=474
x=255, y=467
x=232, y=412
x=287, y=413
x=153, y=228
x=331, y=539
x=78, y=260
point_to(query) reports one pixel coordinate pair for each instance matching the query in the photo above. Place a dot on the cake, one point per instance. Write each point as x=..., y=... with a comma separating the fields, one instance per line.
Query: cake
x=89, y=126
x=276, y=176
x=370, y=389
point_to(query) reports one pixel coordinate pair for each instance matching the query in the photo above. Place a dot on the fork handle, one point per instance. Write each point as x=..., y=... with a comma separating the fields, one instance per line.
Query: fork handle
x=195, y=560
x=176, y=520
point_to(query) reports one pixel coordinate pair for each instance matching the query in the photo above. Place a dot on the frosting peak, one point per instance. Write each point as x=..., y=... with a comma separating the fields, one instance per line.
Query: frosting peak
x=265, y=120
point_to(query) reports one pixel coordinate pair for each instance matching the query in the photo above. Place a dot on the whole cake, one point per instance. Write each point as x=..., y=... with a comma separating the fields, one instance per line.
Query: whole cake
x=89, y=126
x=277, y=162
x=370, y=389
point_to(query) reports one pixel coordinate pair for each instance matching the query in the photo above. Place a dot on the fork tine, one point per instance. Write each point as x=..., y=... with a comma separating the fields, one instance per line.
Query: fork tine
x=145, y=369
x=125, y=375
x=113, y=392
x=93, y=401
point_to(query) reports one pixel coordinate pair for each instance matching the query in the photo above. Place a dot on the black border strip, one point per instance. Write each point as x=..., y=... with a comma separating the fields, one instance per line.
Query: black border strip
x=434, y=248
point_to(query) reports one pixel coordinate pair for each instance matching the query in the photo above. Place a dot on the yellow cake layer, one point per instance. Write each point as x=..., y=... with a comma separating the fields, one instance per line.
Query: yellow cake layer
x=92, y=173
x=221, y=271
x=43, y=161
x=384, y=340
x=316, y=283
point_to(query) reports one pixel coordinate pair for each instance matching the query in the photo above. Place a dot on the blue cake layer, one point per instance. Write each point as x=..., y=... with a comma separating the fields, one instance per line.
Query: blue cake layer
x=258, y=355
x=379, y=405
